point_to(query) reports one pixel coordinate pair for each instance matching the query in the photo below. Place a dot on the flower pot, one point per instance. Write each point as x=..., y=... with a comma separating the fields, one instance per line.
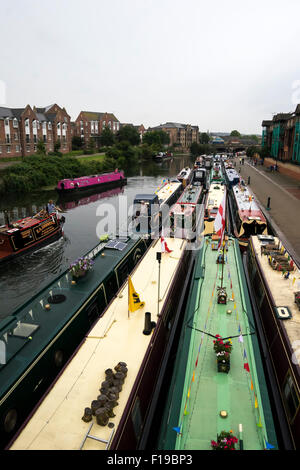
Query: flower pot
x=80, y=274
x=224, y=366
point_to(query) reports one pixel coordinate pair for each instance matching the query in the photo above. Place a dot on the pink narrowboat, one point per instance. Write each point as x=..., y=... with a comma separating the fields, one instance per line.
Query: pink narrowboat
x=105, y=181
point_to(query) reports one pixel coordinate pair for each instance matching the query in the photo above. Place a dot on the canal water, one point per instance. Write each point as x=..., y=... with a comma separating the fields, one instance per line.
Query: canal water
x=23, y=277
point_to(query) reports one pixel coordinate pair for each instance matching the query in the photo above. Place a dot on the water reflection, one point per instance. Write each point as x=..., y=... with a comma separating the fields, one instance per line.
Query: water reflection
x=27, y=274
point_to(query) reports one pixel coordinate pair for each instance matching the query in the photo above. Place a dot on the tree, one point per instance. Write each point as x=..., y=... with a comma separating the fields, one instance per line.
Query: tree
x=156, y=137
x=107, y=137
x=194, y=149
x=204, y=138
x=57, y=146
x=235, y=133
x=77, y=143
x=130, y=134
x=41, y=148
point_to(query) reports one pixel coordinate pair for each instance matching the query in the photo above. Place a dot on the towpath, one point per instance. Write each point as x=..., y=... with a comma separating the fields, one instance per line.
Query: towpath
x=284, y=194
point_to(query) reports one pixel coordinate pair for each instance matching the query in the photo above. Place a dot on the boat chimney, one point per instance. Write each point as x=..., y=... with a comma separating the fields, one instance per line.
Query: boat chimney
x=149, y=325
x=6, y=218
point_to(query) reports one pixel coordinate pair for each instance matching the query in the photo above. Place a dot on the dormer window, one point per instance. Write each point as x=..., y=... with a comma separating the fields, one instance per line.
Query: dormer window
x=6, y=121
x=49, y=126
x=15, y=123
x=27, y=124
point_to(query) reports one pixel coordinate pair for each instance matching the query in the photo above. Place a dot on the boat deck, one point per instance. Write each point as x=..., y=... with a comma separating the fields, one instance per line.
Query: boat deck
x=283, y=290
x=214, y=200
x=57, y=423
x=207, y=392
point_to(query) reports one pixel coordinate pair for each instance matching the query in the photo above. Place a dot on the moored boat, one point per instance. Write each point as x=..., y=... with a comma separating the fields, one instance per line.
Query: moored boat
x=247, y=217
x=215, y=196
x=185, y=214
x=104, y=181
x=70, y=201
x=274, y=281
x=121, y=356
x=28, y=234
x=217, y=394
x=185, y=176
x=38, y=339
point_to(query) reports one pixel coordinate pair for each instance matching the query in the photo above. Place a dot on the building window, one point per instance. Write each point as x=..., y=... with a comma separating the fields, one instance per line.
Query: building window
x=27, y=138
x=291, y=397
x=16, y=136
x=34, y=148
x=17, y=148
x=8, y=149
x=0, y=148
x=34, y=124
x=27, y=148
x=15, y=123
x=7, y=139
x=27, y=124
x=34, y=138
x=6, y=121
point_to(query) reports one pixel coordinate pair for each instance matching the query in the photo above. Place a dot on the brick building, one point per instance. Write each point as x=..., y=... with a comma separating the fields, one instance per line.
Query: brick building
x=181, y=135
x=281, y=136
x=22, y=128
x=89, y=125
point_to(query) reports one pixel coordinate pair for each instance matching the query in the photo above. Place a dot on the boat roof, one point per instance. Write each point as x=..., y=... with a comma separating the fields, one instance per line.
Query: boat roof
x=118, y=336
x=197, y=392
x=167, y=190
x=34, y=321
x=215, y=195
x=282, y=290
x=232, y=174
x=79, y=178
x=247, y=206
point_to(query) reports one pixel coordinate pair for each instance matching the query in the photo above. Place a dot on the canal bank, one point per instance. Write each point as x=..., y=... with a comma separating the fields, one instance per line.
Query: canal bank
x=279, y=197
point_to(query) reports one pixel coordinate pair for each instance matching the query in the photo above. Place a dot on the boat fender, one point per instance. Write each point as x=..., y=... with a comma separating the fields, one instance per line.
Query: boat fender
x=10, y=420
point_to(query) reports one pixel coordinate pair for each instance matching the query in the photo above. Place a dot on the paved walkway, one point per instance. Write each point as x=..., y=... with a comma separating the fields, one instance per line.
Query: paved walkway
x=284, y=193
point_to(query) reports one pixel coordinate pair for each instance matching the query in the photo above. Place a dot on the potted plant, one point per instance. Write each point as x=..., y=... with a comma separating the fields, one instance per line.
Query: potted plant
x=225, y=441
x=81, y=267
x=223, y=350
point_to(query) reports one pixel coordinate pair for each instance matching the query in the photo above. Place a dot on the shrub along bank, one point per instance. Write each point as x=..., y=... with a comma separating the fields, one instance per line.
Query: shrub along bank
x=38, y=171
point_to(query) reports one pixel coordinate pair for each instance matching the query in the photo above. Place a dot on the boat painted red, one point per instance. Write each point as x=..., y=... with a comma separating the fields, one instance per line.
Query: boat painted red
x=104, y=180
x=28, y=234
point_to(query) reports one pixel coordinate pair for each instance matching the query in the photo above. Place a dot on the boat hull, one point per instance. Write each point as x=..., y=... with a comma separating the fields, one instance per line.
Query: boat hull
x=129, y=431
x=101, y=186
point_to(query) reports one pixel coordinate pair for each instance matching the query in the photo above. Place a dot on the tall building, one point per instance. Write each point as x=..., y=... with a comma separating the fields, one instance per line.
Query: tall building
x=281, y=136
x=181, y=135
x=89, y=125
x=22, y=128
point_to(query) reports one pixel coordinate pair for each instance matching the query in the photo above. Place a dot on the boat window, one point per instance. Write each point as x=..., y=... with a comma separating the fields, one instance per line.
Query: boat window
x=14, y=339
x=290, y=396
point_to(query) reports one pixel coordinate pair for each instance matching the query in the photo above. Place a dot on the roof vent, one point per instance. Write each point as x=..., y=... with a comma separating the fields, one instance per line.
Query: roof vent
x=283, y=313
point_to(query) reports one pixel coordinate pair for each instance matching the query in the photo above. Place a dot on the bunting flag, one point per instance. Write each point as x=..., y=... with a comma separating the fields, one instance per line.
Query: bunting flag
x=255, y=403
x=164, y=246
x=246, y=366
x=269, y=446
x=177, y=429
x=219, y=223
x=134, y=302
x=241, y=340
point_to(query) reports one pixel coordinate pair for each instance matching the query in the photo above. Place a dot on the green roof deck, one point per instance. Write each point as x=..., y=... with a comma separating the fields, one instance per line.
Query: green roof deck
x=198, y=392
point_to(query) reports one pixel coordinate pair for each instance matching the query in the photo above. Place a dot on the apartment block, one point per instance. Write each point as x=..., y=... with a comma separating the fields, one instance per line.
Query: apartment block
x=89, y=125
x=181, y=135
x=22, y=128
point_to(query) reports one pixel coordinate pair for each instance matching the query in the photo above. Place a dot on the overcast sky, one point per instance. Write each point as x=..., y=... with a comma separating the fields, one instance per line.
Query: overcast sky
x=218, y=64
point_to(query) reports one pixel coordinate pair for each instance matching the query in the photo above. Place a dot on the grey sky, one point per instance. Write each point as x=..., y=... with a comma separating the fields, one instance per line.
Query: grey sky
x=218, y=64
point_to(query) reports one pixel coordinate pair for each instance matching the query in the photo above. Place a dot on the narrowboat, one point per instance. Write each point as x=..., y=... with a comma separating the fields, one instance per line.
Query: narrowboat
x=247, y=217
x=163, y=156
x=214, y=199
x=186, y=212
x=185, y=176
x=274, y=283
x=28, y=234
x=101, y=398
x=216, y=173
x=217, y=394
x=232, y=177
x=103, y=181
x=200, y=177
x=154, y=208
x=38, y=339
